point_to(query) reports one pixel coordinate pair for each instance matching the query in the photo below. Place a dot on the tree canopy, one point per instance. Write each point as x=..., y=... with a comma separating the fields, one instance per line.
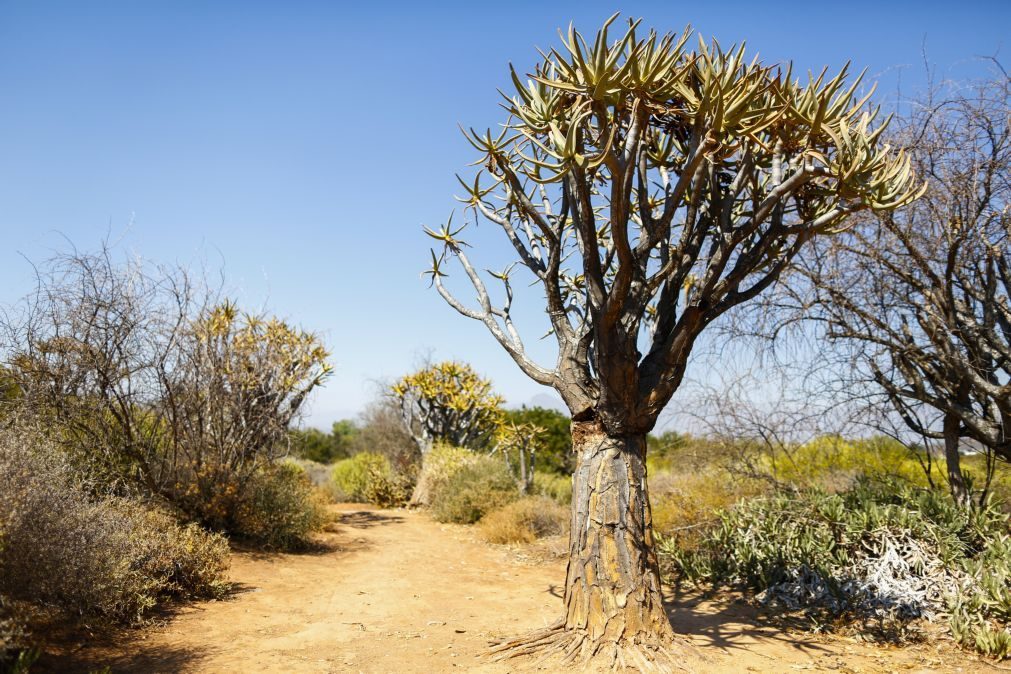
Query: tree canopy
x=648, y=188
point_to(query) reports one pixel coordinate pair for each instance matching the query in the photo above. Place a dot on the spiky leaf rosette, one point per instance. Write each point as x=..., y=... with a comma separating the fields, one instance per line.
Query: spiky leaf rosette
x=649, y=188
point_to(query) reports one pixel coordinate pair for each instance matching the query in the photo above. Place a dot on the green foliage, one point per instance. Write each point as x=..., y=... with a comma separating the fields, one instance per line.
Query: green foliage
x=469, y=492
x=556, y=487
x=881, y=548
x=351, y=476
x=555, y=454
x=440, y=463
x=278, y=508
x=830, y=461
x=369, y=477
x=315, y=445
x=524, y=521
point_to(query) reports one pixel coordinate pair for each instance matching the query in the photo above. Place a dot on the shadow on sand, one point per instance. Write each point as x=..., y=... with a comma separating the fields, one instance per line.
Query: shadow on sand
x=98, y=658
x=366, y=519
x=729, y=624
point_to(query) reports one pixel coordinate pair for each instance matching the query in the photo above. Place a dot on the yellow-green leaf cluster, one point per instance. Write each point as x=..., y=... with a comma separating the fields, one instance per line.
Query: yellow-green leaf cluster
x=449, y=401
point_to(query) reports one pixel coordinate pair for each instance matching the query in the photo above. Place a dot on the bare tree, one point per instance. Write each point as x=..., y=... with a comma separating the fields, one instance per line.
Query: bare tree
x=92, y=350
x=158, y=385
x=921, y=296
x=647, y=190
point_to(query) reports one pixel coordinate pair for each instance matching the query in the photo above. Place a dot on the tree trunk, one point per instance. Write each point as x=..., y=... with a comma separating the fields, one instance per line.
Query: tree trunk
x=612, y=585
x=613, y=600
x=952, y=459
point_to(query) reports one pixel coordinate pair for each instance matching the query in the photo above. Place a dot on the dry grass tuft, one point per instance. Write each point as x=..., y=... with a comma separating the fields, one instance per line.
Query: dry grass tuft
x=524, y=521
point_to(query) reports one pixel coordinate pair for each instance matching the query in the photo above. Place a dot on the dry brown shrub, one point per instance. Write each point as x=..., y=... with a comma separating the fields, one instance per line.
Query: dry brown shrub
x=71, y=552
x=524, y=521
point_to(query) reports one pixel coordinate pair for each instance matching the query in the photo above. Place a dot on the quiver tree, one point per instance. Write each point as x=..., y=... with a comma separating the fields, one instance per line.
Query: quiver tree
x=518, y=444
x=448, y=402
x=647, y=190
x=921, y=296
x=241, y=382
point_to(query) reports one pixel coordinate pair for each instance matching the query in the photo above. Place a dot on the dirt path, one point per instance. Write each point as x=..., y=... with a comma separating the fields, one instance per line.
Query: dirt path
x=401, y=593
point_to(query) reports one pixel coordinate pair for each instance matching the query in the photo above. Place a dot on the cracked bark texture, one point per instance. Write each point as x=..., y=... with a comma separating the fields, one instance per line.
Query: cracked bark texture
x=612, y=585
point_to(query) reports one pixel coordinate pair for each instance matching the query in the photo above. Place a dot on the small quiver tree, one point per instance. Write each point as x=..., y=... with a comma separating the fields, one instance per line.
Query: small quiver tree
x=446, y=402
x=518, y=444
x=647, y=190
x=241, y=382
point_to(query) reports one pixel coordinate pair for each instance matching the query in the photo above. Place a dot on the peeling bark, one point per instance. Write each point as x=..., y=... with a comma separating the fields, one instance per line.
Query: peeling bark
x=613, y=599
x=612, y=586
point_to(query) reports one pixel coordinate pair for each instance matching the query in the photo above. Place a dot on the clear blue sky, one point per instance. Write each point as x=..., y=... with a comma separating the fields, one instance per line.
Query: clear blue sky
x=305, y=143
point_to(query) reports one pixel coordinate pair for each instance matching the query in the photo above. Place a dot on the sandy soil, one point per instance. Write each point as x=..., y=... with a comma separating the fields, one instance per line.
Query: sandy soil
x=397, y=592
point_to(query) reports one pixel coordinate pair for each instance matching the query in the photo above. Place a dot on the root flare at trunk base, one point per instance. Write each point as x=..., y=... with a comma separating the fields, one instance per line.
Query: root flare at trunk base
x=573, y=646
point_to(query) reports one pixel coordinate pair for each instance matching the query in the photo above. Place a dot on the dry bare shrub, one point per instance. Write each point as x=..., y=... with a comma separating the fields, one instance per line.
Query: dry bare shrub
x=16, y=654
x=274, y=507
x=524, y=521
x=683, y=504
x=156, y=385
x=381, y=430
x=69, y=551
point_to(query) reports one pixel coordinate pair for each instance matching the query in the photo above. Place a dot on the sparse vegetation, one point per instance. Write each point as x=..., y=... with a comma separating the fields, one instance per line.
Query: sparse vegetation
x=814, y=291
x=524, y=521
x=68, y=552
x=156, y=387
x=473, y=490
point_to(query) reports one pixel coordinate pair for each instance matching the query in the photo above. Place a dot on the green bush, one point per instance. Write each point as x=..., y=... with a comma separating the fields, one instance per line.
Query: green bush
x=524, y=521
x=439, y=464
x=368, y=477
x=554, y=486
x=279, y=508
x=832, y=462
x=478, y=487
x=351, y=476
x=68, y=550
x=881, y=553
